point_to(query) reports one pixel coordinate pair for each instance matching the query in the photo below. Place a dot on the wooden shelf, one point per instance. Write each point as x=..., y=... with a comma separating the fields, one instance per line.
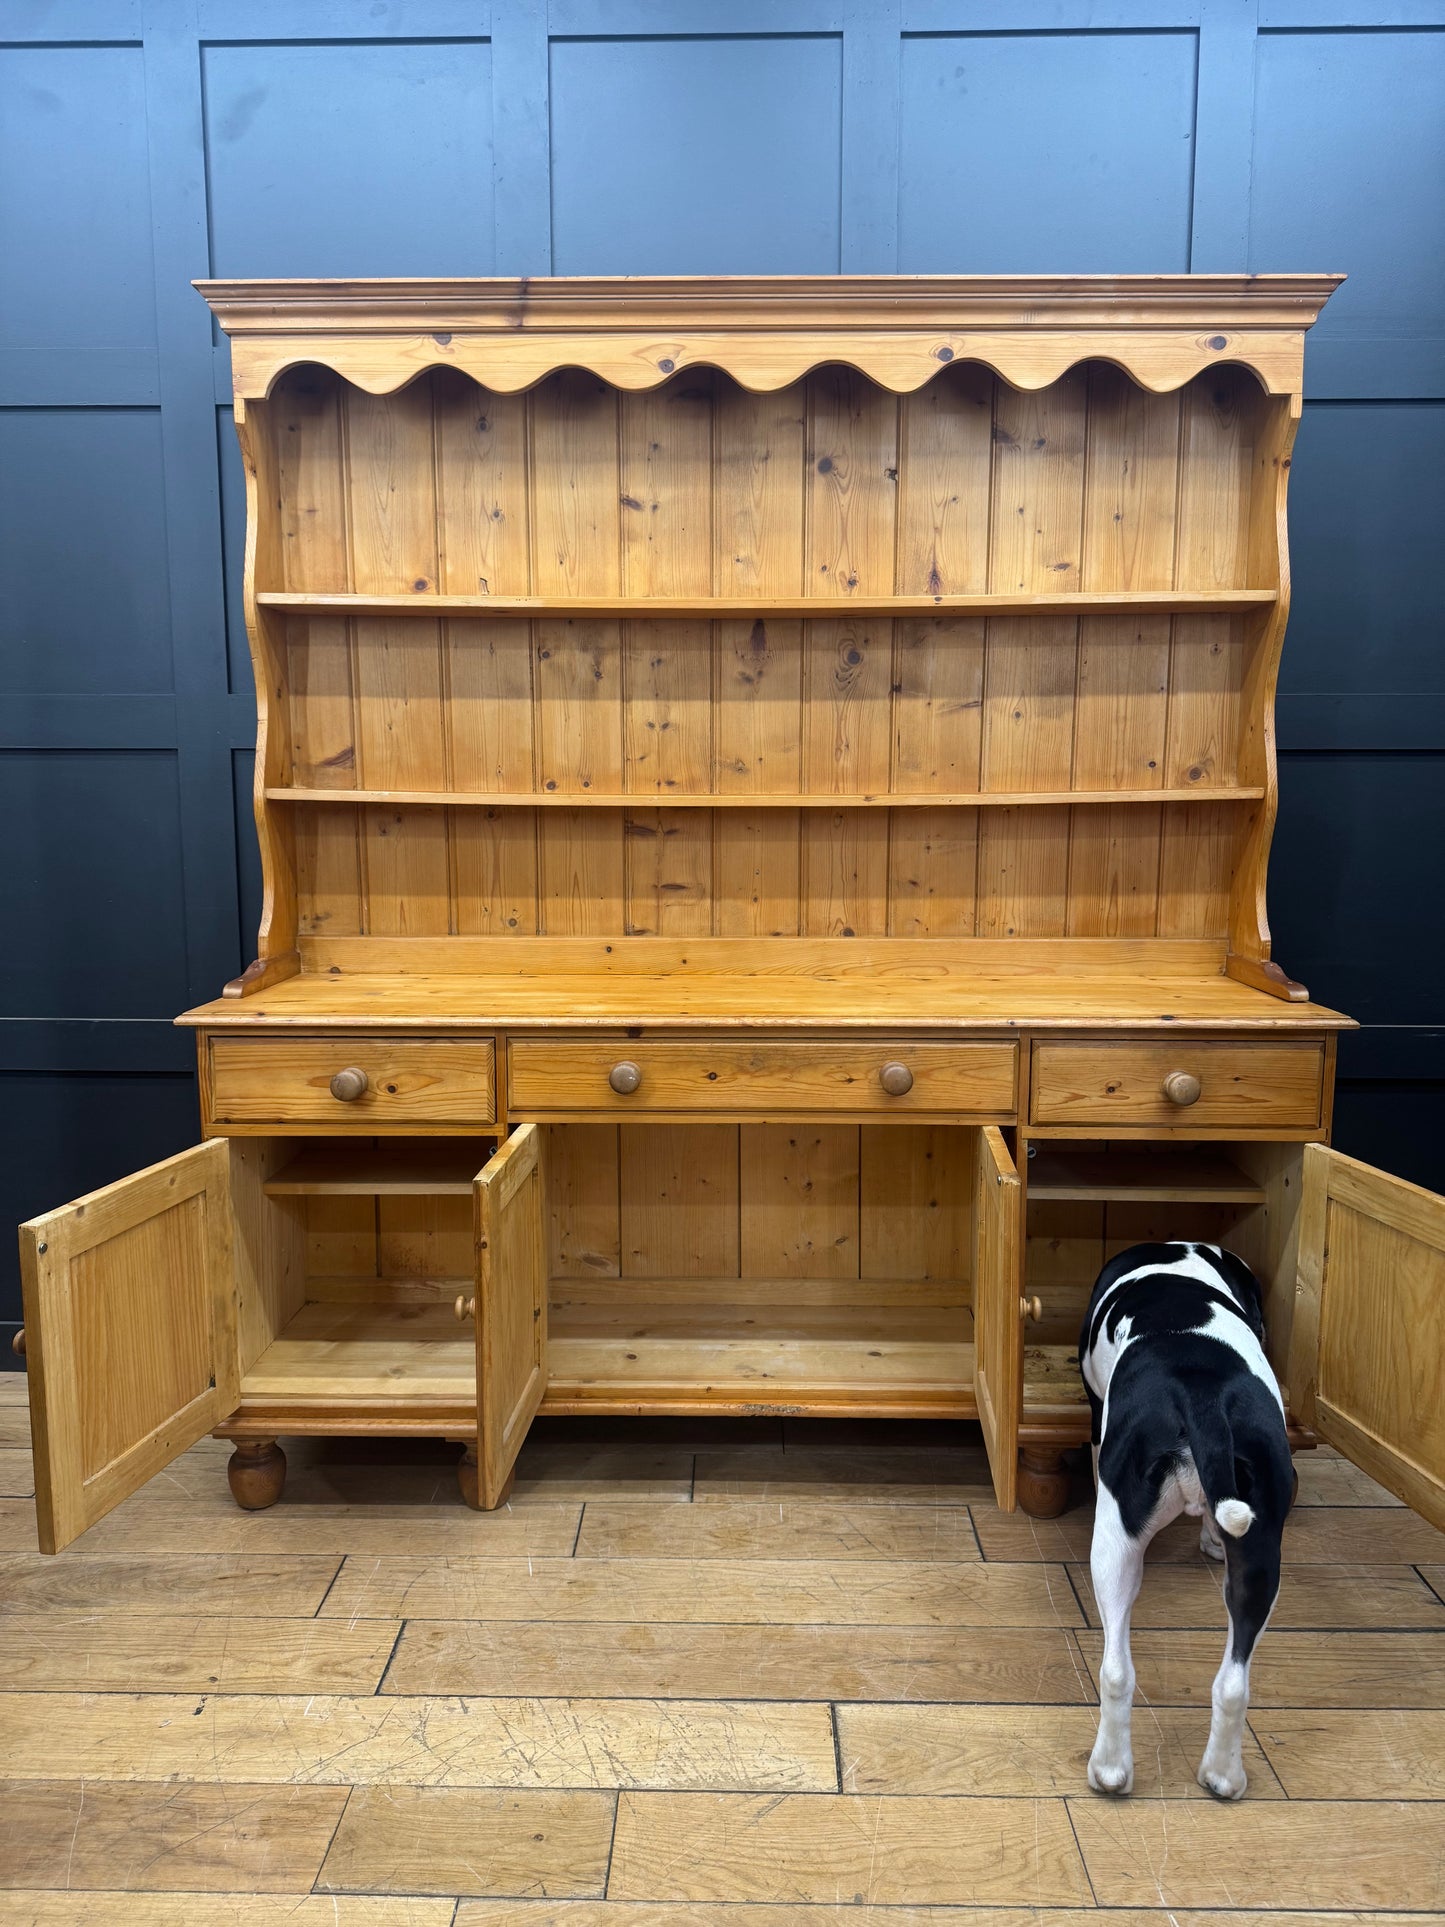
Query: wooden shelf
x=613, y=1357
x=777, y=608
x=403, y=1168
x=731, y=800
x=1140, y=1174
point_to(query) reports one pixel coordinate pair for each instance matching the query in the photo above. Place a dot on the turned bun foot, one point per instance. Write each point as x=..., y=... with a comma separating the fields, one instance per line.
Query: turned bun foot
x=257, y=1472
x=1043, y=1482
x=470, y=1483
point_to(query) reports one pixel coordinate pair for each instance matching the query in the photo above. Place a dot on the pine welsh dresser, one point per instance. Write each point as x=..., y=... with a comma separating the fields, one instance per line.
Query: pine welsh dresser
x=764, y=792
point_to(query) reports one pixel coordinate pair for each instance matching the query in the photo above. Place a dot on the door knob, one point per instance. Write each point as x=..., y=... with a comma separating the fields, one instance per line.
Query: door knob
x=17, y=1343
x=624, y=1077
x=1032, y=1309
x=349, y=1084
x=896, y=1079
x=463, y=1308
x=1182, y=1087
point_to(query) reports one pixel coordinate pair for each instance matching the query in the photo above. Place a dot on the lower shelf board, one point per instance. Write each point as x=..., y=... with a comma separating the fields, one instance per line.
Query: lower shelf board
x=369, y=1359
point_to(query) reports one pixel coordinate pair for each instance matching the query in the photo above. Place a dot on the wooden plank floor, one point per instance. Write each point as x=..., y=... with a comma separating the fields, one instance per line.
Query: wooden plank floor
x=698, y=1674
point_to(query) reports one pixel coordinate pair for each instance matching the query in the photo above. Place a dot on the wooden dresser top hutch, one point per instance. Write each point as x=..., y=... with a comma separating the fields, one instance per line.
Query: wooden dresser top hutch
x=764, y=792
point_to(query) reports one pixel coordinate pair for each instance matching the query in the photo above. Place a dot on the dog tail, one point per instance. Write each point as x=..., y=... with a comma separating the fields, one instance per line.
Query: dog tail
x=1211, y=1443
x=1234, y=1517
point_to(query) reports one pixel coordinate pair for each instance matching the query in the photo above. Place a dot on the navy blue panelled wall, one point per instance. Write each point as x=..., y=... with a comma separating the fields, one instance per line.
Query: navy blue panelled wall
x=147, y=142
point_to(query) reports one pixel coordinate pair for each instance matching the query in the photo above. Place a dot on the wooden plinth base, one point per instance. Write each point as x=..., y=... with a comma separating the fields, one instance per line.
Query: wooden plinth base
x=257, y=1473
x=1043, y=1482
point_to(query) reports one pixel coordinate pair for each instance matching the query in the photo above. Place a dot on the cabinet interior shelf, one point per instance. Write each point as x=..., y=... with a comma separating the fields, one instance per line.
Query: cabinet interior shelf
x=1139, y=1174
x=740, y=800
x=398, y=1168
x=751, y=608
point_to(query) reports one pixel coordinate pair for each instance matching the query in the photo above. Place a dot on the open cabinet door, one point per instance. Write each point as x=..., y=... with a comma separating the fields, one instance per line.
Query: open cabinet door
x=998, y=1327
x=130, y=1334
x=1367, y=1353
x=511, y=1306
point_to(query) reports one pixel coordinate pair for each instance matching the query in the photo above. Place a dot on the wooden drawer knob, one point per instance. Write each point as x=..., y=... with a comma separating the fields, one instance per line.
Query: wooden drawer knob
x=1032, y=1309
x=896, y=1079
x=17, y=1343
x=464, y=1308
x=624, y=1077
x=349, y=1084
x=1182, y=1087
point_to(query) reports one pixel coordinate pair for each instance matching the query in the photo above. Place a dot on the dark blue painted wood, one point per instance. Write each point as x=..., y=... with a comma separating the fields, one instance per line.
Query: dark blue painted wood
x=143, y=142
x=75, y=215
x=84, y=587
x=690, y=156
x=1355, y=900
x=90, y=877
x=350, y=158
x=1365, y=531
x=1046, y=153
x=1349, y=173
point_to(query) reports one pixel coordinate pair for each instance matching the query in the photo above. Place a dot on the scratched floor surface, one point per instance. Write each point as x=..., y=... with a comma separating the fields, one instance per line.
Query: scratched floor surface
x=743, y=1672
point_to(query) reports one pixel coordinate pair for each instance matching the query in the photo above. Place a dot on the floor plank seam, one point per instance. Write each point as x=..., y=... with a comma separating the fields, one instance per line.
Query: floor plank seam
x=1068, y=1805
x=330, y=1583
x=837, y=1743
x=326, y=1855
x=611, y=1844
x=395, y=1644
x=577, y=1535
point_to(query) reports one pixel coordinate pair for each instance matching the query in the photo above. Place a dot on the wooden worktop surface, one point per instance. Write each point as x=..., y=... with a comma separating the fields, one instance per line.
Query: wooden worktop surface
x=480, y=983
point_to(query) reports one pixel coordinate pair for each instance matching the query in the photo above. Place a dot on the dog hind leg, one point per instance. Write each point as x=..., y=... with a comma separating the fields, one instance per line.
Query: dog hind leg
x=1116, y=1565
x=1250, y=1592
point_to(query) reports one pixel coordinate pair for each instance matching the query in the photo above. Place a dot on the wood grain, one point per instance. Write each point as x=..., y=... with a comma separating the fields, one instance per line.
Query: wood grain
x=283, y=1587
x=186, y=1838
x=824, y=1662
x=794, y=1529
x=377, y=1741
x=438, y=1840
x=115, y=1651
x=1019, y=1752
x=781, y=1592
x=798, y=1850
x=1260, y=1854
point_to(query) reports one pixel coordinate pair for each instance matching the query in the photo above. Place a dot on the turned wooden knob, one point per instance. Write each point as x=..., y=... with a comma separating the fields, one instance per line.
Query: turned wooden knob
x=1182, y=1087
x=1032, y=1309
x=896, y=1079
x=625, y=1077
x=17, y=1343
x=464, y=1308
x=349, y=1084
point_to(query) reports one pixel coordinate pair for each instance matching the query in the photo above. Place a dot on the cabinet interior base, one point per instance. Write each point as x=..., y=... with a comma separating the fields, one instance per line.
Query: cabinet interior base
x=370, y=1360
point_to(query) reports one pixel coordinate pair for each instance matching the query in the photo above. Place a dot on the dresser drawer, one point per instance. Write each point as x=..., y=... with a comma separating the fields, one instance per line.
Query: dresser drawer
x=550, y=1079
x=349, y=1083
x=1193, y=1086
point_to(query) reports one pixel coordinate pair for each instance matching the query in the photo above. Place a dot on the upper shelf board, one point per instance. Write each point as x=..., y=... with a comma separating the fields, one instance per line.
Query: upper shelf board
x=767, y=332
x=751, y=608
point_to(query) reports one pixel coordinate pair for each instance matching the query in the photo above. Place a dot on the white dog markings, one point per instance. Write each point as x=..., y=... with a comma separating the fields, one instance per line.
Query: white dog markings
x=1192, y=1418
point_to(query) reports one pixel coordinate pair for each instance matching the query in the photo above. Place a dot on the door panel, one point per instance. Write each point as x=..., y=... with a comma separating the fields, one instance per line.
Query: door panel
x=997, y=1312
x=511, y=1305
x=130, y=1334
x=1367, y=1360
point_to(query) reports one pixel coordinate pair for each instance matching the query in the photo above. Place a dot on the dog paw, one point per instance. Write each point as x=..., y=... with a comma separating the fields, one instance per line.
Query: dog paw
x=1111, y=1776
x=1225, y=1783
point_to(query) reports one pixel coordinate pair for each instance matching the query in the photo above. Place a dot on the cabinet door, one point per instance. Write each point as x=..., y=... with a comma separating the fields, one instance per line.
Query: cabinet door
x=130, y=1334
x=511, y=1305
x=998, y=1328
x=1367, y=1354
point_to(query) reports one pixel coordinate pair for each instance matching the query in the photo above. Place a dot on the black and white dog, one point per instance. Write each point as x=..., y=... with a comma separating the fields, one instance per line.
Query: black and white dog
x=1187, y=1417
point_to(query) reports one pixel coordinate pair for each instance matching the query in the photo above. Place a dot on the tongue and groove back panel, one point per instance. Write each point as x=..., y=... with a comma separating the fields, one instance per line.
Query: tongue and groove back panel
x=833, y=488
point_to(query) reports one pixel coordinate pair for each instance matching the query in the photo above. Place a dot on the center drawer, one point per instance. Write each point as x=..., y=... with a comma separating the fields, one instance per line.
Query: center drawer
x=549, y=1079
x=348, y=1083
